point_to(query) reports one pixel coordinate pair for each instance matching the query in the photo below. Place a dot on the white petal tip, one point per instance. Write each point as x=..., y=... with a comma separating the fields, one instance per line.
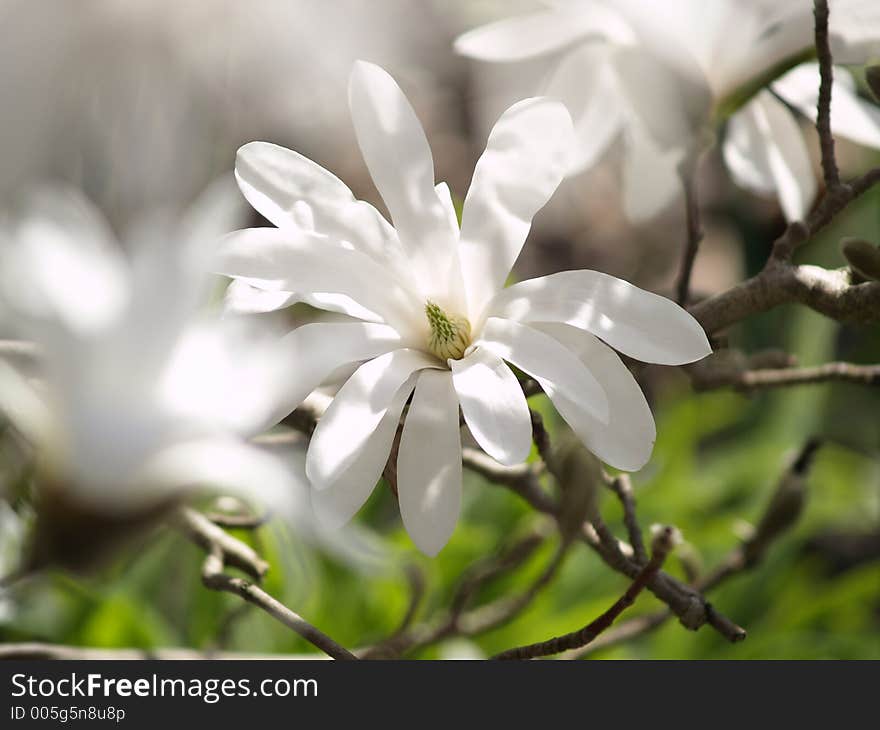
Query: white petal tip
x=430, y=545
x=363, y=71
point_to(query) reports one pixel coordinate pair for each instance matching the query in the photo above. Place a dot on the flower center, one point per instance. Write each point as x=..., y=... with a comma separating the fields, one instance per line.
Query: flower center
x=450, y=334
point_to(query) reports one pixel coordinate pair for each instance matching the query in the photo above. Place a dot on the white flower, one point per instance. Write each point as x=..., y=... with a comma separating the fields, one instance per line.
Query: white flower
x=140, y=397
x=666, y=75
x=12, y=541
x=437, y=320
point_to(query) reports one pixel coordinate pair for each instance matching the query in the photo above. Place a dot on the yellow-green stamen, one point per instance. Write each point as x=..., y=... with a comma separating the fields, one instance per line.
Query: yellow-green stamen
x=450, y=334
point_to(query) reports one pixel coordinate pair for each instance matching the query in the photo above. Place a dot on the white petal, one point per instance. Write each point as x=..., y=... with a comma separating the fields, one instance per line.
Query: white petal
x=524, y=162
x=445, y=196
x=63, y=265
x=20, y=403
x=314, y=351
x=397, y=154
x=765, y=151
x=547, y=361
x=429, y=463
x=539, y=33
x=298, y=261
x=223, y=372
x=851, y=117
x=636, y=322
x=854, y=26
x=584, y=82
x=221, y=464
x=670, y=100
x=651, y=181
x=291, y=191
x=493, y=405
x=336, y=503
x=627, y=439
x=244, y=298
x=347, y=425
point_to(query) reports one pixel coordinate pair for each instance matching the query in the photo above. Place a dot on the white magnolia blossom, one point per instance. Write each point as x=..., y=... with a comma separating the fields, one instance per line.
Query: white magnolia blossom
x=433, y=319
x=139, y=396
x=12, y=542
x=666, y=75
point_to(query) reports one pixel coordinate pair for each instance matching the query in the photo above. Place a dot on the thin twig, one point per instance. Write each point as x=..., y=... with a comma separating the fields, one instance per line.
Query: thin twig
x=823, y=117
x=459, y=622
x=778, y=516
x=662, y=544
x=485, y=571
x=694, y=237
x=416, y=580
x=621, y=485
x=762, y=379
x=223, y=550
x=523, y=479
x=541, y=438
x=208, y=536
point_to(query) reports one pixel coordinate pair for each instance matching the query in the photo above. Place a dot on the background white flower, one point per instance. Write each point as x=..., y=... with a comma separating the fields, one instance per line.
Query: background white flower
x=139, y=396
x=437, y=322
x=665, y=76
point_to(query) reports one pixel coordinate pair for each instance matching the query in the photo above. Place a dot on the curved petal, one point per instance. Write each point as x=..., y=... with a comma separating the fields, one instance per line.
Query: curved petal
x=584, y=82
x=303, y=262
x=242, y=297
x=627, y=439
x=259, y=296
x=223, y=464
x=429, y=463
x=638, y=323
x=314, y=351
x=493, y=405
x=397, y=154
x=346, y=427
x=524, y=162
x=63, y=265
x=651, y=181
x=22, y=406
x=540, y=33
x=851, y=116
x=291, y=191
x=765, y=151
x=445, y=195
x=668, y=96
x=336, y=503
x=545, y=360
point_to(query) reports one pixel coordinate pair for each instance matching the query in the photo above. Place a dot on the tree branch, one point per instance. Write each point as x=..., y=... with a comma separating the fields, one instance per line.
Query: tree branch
x=761, y=379
x=781, y=512
x=829, y=292
x=662, y=544
x=621, y=485
x=223, y=550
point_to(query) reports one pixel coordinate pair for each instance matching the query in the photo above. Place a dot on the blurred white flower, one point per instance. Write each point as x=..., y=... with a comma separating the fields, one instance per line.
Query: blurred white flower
x=665, y=76
x=140, y=396
x=12, y=530
x=113, y=95
x=436, y=318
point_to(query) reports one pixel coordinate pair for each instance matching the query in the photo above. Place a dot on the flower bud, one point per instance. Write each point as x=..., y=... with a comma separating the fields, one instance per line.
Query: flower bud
x=862, y=256
x=580, y=475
